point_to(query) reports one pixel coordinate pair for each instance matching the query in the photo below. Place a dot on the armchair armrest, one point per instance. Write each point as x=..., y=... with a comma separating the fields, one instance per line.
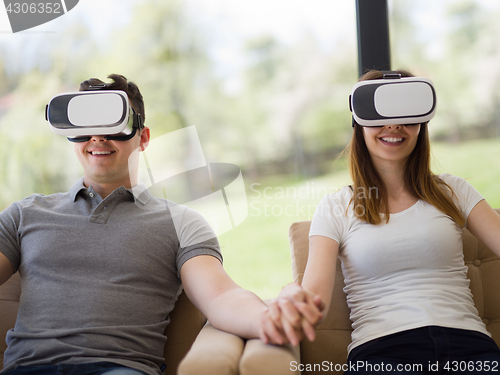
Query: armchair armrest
x=263, y=359
x=214, y=352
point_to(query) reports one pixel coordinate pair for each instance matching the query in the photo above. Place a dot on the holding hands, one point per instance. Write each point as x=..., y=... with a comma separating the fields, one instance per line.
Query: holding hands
x=291, y=317
x=300, y=307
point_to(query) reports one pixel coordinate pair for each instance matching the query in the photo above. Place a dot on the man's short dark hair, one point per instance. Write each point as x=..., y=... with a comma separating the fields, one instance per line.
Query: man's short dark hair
x=119, y=83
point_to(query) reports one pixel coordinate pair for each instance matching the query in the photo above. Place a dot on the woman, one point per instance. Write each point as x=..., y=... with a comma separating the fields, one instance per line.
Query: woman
x=399, y=236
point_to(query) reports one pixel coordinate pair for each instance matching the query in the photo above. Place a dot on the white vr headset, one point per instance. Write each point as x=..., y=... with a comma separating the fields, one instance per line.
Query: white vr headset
x=393, y=101
x=80, y=115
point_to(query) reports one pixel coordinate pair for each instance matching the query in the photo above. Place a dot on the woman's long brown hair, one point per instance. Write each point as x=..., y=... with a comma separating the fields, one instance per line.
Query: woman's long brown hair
x=418, y=178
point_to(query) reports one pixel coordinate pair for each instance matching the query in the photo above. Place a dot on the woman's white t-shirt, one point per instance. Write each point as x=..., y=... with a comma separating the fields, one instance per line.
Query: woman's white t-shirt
x=404, y=274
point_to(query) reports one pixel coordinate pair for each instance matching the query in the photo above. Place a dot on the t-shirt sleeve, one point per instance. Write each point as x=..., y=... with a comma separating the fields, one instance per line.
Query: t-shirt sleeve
x=196, y=236
x=9, y=238
x=466, y=196
x=329, y=219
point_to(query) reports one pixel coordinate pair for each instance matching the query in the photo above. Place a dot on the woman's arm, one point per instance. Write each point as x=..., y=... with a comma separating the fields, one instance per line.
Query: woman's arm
x=316, y=289
x=319, y=276
x=299, y=308
x=484, y=223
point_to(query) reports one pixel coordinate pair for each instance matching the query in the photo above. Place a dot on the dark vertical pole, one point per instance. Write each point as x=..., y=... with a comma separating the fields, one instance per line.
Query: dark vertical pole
x=373, y=35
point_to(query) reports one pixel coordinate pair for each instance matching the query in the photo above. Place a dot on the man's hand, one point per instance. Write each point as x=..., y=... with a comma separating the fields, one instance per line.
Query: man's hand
x=291, y=317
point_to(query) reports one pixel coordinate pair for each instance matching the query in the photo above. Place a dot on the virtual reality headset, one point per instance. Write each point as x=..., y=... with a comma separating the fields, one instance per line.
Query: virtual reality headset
x=80, y=115
x=393, y=101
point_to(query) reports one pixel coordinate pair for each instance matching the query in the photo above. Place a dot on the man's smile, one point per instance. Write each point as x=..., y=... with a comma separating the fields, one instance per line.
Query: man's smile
x=101, y=152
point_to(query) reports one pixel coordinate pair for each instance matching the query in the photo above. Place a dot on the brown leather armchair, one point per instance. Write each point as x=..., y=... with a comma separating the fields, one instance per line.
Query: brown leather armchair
x=329, y=351
x=333, y=335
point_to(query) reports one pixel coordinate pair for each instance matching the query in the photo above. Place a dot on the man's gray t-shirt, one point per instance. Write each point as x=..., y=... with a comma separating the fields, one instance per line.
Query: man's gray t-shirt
x=98, y=277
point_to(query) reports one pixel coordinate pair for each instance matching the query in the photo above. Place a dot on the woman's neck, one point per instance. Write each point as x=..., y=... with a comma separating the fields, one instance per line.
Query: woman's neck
x=392, y=174
x=398, y=196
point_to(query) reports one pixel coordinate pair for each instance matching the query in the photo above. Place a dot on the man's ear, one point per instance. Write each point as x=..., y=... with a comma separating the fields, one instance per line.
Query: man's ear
x=144, y=138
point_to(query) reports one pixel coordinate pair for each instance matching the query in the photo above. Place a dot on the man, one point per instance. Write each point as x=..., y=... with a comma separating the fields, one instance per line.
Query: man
x=101, y=268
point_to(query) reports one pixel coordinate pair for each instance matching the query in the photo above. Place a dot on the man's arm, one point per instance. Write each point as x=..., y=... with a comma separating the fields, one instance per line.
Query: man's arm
x=6, y=269
x=227, y=306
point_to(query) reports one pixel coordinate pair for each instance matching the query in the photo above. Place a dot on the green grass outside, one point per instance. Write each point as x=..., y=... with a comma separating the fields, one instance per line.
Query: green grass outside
x=478, y=162
x=256, y=253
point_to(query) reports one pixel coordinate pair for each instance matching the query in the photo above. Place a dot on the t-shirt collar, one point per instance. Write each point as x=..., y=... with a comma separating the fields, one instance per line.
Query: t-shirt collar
x=140, y=191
